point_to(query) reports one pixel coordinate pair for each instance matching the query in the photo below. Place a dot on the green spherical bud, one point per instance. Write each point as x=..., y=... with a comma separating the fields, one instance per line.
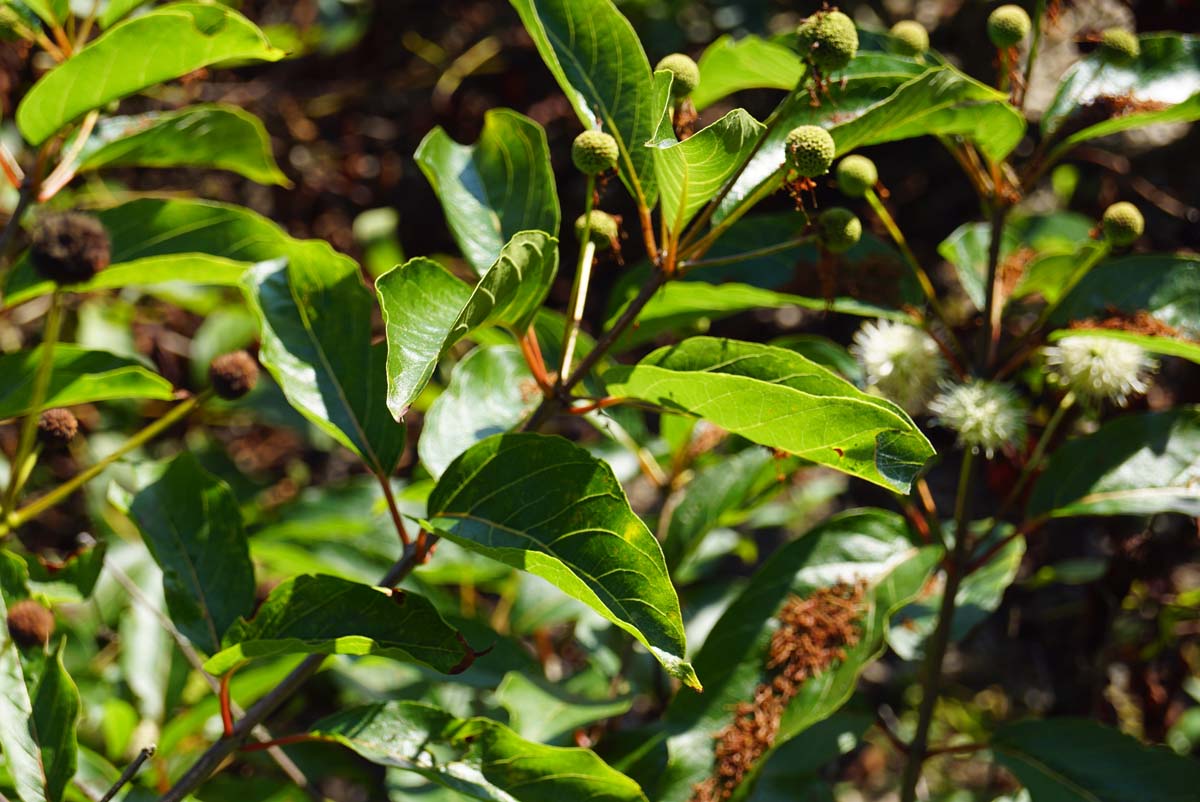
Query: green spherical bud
x=855, y=175
x=1008, y=25
x=839, y=229
x=810, y=150
x=594, y=152
x=604, y=228
x=1119, y=45
x=829, y=38
x=910, y=38
x=685, y=72
x=1123, y=223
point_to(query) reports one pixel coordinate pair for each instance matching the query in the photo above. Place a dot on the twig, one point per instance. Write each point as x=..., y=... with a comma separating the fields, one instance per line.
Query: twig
x=385, y=484
x=787, y=245
x=65, y=171
x=579, y=287
x=993, y=305
x=11, y=168
x=261, y=733
x=129, y=772
x=208, y=763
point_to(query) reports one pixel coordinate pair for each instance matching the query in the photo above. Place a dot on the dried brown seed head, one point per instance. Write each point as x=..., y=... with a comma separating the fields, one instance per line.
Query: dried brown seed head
x=30, y=624
x=57, y=427
x=69, y=247
x=233, y=374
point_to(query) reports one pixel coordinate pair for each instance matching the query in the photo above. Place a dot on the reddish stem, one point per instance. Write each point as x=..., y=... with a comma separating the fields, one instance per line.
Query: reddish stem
x=226, y=707
x=610, y=401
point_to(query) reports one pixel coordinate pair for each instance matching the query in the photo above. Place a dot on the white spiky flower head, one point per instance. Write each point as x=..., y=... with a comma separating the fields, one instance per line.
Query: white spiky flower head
x=900, y=362
x=1101, y=368
x=986, y=415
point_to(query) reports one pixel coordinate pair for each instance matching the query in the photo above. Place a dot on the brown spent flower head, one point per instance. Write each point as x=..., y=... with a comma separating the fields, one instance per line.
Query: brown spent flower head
x=813, y=634
x=69, y=247
x=57, y=427
x=233, y=375
x=30, y=624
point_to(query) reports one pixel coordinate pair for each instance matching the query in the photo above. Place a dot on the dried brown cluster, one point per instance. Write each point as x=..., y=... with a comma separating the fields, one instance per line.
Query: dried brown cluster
x=69, y=247
x=57, y=427
x=29, y=623
x=233, y=374
x=813, y=634
x=1139, y=322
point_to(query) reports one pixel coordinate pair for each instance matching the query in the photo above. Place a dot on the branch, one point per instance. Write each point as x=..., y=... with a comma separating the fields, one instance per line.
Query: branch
x=127, y=775
x=210, y=762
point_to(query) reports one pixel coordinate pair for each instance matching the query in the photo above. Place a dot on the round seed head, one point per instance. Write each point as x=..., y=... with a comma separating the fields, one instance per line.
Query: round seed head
x=594, y=152
x=855, y=175
x=986, y=415
x=604, y=228
x=1122, y=223
x=233, y=374
x=1120, y=45
x=69, y=247
x=910, y=38
x=1100, y=368
x=1008, y=25
x=829, y=39
x=900, y=362
x=810, y=150
x=30, y=624
x=685, y=71
x=839, y=229
x=57, y=427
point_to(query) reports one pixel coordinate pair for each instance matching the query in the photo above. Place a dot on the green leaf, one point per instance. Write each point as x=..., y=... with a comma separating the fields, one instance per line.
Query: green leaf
x=680, y=306
x=317, y=614
x=490, y=191
x=191, y=524
x=38, y=713
x=597, y=59
x=1134, y=465
x=691, y=172
x=52, y=12
x=1165, y=285
x=490, y=392
x=978, y=597
x=426, y=310
x=1075, y=760
x=547, y=506
x=316, y=341
x=1165, y=74
x=715, y=492
x=967, y=246
x=730, y=65
x=219, y=136
x=116, y=10
x=542, y=712
x=885, y=98
x=79, y=376
x=157, y=241
x=1154, y=343
x=779, y=399
x=868, y=545
x=476, y=758
x=165, y=44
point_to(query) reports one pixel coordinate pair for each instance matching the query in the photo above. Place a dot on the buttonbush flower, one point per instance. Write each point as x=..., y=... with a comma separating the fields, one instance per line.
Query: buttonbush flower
x=900, y=362
x=1101, y=369
x=987, y=415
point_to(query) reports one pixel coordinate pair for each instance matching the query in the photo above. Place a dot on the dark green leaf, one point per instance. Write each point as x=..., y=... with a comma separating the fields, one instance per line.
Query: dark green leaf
x=884, y=98
x=426, y=310
x=223, y=137
x=316, y=341
x=978, y=597
x=164, y=44
x=325, y=615
x=1135, y=465
x=547, y=506
x=1074, y=760
x=594, y=54
x=871, y=546
x=476, y=758
x=730, y=65
x=1165, y=74
x=490, y=392
x=192, y=526
x=1165, y=285
x=781, y=400
x=490, y=191
x=542, y=712
x=80, y=376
